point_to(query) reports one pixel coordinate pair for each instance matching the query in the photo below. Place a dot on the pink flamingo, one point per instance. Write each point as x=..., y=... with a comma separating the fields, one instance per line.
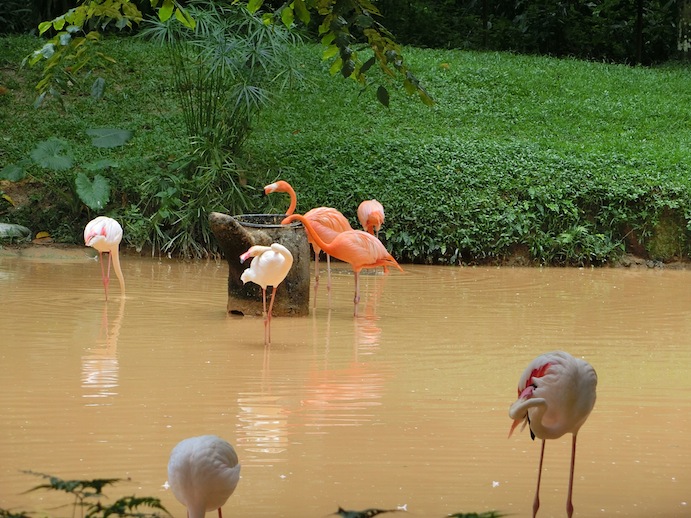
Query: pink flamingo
x=202, y=473
x=327, y=222
x=269, y=267
x=370, y=213
x=556, y=393
x=358, y=248
x=104, y=234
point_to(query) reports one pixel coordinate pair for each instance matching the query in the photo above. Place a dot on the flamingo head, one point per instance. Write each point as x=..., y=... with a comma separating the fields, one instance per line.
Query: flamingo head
x=279, y=186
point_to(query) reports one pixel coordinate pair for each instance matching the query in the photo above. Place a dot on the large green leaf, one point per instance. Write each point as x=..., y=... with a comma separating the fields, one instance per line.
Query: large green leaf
x=12, y=172
x=94, y=194
x=108, y=137
x=52, y=154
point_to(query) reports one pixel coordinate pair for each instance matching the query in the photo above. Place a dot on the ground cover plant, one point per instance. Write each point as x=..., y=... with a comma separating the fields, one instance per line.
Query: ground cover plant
x=558, y=161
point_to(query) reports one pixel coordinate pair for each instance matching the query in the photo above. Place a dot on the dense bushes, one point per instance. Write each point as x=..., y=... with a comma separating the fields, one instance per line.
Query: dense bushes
x=559, y=161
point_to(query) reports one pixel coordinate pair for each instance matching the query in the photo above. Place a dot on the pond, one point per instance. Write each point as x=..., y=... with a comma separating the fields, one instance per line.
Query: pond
x=404, y=405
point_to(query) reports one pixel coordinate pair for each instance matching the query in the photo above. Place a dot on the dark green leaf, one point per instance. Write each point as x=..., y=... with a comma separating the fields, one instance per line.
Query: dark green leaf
x=383, y=95
x=98, y=88
x=94, y=194
x=52, y=154
x=12, y=172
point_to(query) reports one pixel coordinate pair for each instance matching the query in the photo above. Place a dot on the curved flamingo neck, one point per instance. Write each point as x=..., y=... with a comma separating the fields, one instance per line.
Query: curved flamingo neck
x=286, y=187
x=315, y=237
x=118, y=271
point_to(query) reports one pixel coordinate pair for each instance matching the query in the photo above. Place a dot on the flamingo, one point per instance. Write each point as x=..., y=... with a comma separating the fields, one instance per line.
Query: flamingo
x=269, y=267
x=202, y=473
x=358, y=248
x=104, y=234
x=556, y=393
x=327, y=223
x=370, y=213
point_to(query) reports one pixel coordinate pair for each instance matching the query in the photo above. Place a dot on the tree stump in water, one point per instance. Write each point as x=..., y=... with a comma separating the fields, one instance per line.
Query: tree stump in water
x=236, y=234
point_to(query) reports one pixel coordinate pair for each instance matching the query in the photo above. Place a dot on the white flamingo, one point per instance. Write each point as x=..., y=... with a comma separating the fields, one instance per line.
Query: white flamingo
x=269, y=267
x=104, y=234
x=202, y=473
x=556, y=394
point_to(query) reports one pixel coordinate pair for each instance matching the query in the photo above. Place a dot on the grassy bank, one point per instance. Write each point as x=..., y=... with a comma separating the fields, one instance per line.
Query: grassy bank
x=559, y=161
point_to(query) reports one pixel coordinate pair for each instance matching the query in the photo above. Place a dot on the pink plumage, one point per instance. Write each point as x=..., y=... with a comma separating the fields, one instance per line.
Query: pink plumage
x=104, y=234
x=370, y=213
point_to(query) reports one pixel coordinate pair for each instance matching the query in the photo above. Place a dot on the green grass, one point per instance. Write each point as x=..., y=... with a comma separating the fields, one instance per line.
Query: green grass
x=561, y=161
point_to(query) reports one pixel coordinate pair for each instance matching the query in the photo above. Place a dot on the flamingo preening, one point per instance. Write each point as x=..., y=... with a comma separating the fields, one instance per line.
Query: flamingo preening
x=104, y=234
x=370, y=213
x=356, y=247
x=202, y=473
x=269, y=267
x=556, y=393
x=327, y=222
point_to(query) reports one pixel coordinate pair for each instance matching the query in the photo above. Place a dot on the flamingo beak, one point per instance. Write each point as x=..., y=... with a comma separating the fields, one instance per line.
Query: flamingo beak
x=515, y=424
x=244, y=257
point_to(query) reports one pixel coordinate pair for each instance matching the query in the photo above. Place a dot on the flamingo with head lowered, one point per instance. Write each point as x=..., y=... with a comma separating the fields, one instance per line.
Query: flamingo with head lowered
x=359, y=249
x=269, y=267
x=326, y=221
x=556, y=394
x=370, y=213
x=104, y=234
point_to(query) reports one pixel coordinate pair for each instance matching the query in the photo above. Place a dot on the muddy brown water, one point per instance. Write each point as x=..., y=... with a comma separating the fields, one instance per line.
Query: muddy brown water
x=405, y=405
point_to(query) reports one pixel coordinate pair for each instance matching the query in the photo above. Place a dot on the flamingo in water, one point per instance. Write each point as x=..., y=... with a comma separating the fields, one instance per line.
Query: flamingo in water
x=326, y=221
x=556, y=393
x=358, y=248
x=370, y=213
x=202, y=473
x=104, y=234
x=269, y=267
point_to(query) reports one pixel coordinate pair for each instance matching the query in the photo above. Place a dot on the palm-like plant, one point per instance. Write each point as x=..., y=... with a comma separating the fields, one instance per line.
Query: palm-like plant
x=225, y=71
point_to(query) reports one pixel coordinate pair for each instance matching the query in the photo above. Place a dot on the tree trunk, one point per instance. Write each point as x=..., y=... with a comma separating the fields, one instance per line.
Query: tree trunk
x=684, y=39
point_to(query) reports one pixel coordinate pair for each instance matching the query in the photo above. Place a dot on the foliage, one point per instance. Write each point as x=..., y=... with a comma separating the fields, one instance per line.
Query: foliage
x=340, y=26
x=606, y=30
x=557, y=160
x=72, y=52
x=87, y=499
x=55, y=157
x=225, y=72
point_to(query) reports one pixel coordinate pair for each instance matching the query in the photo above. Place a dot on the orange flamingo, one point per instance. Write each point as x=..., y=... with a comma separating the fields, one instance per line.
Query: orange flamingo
x=556, y=394
x=327, y=222
x=104, y=234
x=202, y=473
x=370, y=213
x=269, y=267
x=358, y=248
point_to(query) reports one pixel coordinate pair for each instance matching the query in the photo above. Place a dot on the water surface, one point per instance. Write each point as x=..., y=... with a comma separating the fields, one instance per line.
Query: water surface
x=406, y=404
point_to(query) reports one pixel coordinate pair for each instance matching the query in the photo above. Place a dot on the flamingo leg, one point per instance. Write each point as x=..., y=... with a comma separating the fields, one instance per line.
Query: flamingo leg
x=268, y=320
x=328, y=271
x=569, y=503
x=316, y=276
x=105, y=278
x=536, y=502
x=356, y=299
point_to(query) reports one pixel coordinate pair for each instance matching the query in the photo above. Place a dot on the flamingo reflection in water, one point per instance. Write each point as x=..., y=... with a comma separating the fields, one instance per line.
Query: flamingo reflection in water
x=100, y=366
